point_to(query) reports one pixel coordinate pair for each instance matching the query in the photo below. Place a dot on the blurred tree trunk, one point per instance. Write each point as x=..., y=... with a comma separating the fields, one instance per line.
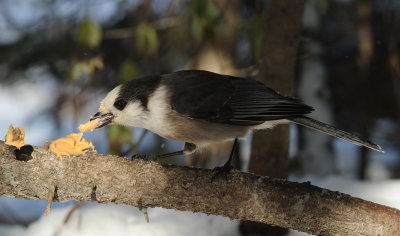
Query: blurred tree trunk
x=283, y=22
x=315, y=149
x=366, y=51
x=394, y=68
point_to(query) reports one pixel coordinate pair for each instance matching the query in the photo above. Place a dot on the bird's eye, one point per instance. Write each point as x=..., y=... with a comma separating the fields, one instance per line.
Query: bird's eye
x=120, y=104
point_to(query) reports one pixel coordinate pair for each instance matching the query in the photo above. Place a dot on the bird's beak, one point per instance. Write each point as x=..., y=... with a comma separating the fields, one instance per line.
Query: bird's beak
x=104, y=119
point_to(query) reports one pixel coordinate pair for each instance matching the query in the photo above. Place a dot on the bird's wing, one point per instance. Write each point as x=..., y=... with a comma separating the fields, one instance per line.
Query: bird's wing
x=254, y=101
x=229, y=100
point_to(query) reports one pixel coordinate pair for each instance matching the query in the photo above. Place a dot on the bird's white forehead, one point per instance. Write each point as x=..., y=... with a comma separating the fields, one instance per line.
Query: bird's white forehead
x=109, y=100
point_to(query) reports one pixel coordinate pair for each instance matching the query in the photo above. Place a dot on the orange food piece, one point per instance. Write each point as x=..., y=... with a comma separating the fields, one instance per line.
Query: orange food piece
x=72, y=144
x=15, y=137
x=91, y=125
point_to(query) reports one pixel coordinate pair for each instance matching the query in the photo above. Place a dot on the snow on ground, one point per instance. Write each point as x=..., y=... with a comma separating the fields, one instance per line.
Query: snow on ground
x=112, y=219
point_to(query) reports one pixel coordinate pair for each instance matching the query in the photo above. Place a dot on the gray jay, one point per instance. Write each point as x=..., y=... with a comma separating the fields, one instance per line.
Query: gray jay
x=201, y=107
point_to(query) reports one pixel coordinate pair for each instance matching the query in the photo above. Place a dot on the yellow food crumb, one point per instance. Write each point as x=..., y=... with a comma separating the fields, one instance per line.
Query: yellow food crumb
x=72, y=144
x=15, y=136
x=91, y=125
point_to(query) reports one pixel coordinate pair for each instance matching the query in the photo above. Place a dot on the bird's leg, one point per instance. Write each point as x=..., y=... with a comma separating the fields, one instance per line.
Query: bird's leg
x=188, y=148
x=229, y=161
x=227, y=167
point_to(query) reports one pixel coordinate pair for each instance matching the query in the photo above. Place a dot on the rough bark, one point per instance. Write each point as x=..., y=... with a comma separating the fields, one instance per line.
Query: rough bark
x=244, y=196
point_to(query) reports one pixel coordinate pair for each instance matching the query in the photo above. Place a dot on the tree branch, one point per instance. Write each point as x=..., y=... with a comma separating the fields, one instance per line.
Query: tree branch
x=244, y=196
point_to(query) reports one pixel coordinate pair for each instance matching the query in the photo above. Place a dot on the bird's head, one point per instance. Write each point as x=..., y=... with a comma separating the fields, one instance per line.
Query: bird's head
x=117, y=108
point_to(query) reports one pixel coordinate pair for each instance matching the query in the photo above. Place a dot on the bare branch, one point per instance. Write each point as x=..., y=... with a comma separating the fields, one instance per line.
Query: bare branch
x=122, y=33
x=244, y=196
x=77, y=205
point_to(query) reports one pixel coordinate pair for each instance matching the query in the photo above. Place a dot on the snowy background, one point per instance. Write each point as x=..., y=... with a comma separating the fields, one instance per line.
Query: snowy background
x=28, y=99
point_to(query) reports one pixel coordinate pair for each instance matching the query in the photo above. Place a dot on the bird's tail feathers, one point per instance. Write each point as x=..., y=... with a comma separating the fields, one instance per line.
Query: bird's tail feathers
x=325, y=128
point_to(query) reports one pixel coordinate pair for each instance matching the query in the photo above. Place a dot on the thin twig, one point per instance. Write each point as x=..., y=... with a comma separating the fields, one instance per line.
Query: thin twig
x=128, y=32
x=146, y=215
x=49, y=199
x=77, y=205
x=79, y=222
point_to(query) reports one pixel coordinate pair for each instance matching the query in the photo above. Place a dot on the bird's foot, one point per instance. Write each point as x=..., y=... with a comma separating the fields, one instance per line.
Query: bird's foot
x=222, y=171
